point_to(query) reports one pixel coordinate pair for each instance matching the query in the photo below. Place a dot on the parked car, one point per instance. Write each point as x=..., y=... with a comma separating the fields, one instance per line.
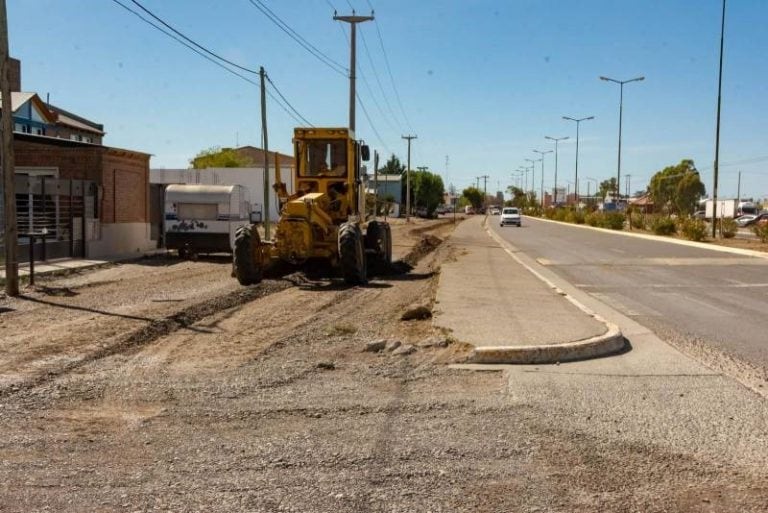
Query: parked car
x=495, y=212
x=700, y=214
x=745, y=220
x=510, y=215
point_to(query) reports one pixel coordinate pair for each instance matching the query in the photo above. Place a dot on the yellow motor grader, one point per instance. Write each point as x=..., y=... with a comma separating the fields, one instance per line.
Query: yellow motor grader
x=325, y=219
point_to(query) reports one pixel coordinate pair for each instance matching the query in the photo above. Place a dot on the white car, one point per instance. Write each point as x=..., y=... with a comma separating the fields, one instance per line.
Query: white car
x=495, y=211
x=510, y=215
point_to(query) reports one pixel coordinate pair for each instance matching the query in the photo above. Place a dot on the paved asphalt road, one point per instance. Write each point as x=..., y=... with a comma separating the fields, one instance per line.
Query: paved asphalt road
x=697, y=296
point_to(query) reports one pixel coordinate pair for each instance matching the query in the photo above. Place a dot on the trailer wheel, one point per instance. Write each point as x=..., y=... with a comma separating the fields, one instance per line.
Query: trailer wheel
x=387, y=244
x=352, y=254
x=246, y=258
x=378, y=237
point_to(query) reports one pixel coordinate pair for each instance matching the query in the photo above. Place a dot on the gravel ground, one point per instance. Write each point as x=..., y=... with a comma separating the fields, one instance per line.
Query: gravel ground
x=221, y=398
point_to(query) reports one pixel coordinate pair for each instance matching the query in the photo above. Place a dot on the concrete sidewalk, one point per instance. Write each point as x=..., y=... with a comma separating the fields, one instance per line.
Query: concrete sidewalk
x=491, y=300
x=58, y=266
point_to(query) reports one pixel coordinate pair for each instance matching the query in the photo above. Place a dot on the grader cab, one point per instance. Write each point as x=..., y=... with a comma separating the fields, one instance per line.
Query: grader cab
x=325, y=219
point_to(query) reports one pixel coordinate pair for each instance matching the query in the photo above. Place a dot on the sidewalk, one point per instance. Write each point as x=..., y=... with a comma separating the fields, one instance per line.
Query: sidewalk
x=58, y=266
x=489, y=299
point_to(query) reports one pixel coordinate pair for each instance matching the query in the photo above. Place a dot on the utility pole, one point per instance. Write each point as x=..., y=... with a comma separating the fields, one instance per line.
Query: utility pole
x=375, y=183
x=265, y=141
x=409, y=138
x=485, y=191
x=533, y=173
x=9, y=194
x=353, y=21
x=628, y=186
x=738, y=190
x=717, y=134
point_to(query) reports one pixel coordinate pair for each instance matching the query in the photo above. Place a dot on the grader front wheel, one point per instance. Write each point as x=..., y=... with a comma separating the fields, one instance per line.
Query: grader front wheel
x=352, y=255
x=247, y=256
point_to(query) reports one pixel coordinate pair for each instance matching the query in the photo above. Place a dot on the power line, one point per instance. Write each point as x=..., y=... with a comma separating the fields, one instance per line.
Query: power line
x=287, y=102
x=389, y=71
x=297, y=116
x=318, y=54
x=373, y=127
x=378, y=81
x=182, y=42
x=191, y=41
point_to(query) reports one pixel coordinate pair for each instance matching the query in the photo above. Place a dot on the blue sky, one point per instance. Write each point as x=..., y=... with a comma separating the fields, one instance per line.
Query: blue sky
x=480, y=82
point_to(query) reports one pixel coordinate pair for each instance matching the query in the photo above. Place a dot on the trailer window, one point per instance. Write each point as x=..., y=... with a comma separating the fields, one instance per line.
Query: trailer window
x=197, y=211
x=323, y=158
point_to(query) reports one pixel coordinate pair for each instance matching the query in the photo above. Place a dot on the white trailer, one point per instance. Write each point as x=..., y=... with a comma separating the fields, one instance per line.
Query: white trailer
x=725, y=208
x=203, y=218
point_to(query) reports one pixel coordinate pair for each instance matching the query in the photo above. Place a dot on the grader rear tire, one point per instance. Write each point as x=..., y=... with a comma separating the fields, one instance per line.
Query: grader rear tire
x=352, y=255
x=378, y=237
x=246, y=257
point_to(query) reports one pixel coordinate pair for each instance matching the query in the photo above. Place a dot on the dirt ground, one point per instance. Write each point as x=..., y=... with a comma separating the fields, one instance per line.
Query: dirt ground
x=162, y=385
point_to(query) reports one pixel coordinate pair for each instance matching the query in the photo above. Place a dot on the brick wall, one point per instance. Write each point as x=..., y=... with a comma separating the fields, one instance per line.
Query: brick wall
x=125, y=196
x=123, y=175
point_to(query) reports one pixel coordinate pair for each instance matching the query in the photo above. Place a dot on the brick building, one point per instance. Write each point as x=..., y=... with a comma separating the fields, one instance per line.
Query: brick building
x=88, y=199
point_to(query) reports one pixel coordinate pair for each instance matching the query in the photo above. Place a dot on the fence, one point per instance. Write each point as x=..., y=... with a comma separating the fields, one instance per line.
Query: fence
x=59, y=212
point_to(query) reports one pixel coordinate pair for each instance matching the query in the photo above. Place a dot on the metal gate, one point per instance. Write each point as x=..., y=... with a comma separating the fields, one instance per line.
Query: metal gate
x=56, y=211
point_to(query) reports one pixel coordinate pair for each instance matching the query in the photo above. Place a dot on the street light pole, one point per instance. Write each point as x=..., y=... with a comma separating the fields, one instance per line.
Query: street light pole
x=533, y=173
x=542, y=153
x=576, y=179
x=621, y=111
x=556, y=139
x=717, y=135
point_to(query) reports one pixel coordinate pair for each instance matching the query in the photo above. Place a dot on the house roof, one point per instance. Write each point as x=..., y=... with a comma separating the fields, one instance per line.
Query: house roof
x=69, y=143
x=73, y=120
x=257, y=155
x=20, y=98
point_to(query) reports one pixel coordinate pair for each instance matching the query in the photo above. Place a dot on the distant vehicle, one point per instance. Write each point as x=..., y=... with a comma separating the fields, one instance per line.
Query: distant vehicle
x=759, y=219
x=204, y=218
x=745, y=220
x=495, y=211
x=469, y=210
x=510, y=215
x=442, y=209
x=700, y=214
x=746, y=208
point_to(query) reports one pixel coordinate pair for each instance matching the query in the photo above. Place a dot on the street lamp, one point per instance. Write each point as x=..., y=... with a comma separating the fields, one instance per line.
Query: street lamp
x=621, y=108
x=556, y=139
x=591, y=180
x=576, y=179
x=533, y=173
x=543, y=154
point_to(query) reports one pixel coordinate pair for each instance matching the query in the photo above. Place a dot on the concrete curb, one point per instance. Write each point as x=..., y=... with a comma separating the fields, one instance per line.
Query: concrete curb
x=610, y=342
x=661, y=238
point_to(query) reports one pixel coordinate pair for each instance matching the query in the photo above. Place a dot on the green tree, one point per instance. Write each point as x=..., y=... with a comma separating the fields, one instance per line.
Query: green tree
x=474, y=196
x=677, y=188
x=519, y=197
x=427, y=190
x=219, y=157
x=607, y=186
x=392, y=167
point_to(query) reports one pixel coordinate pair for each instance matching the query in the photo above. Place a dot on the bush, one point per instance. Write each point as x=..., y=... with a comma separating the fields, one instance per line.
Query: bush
x=729, y=228
x=614, y=220
x=761, y=230
x=560, y=214
x=693, y=229
x=593, y=219
x=637, y=221
x=663, y=226
x=575, y=216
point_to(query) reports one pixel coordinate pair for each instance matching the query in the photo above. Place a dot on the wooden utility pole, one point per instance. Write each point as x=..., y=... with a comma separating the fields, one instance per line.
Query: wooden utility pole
x=409, y=138
x=485, y=192
x=9, y=196
x=375, y=183
x=265, y=142
x=353, y=21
